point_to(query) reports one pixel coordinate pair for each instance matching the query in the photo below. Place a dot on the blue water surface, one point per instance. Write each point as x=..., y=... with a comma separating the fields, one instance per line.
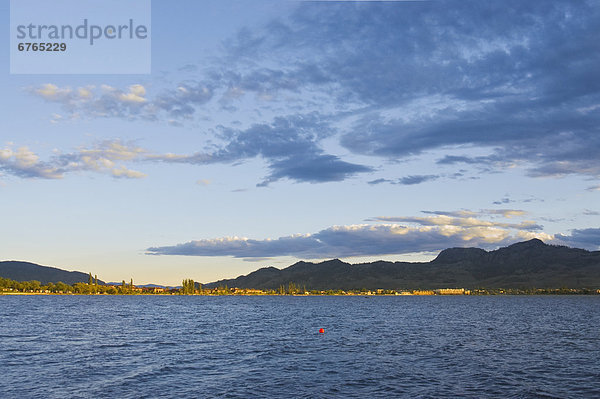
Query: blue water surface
x=270, y=347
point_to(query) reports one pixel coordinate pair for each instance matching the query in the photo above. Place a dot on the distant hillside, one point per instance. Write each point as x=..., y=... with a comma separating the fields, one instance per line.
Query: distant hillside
x=522, y=265
x=25, y=271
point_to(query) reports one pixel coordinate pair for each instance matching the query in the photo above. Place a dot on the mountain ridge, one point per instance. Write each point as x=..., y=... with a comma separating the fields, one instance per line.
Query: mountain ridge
x=27, y=271
x=524, y=264
x=520, y=265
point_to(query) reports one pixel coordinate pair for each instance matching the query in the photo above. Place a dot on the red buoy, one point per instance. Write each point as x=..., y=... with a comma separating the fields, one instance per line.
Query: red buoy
x=321, y=330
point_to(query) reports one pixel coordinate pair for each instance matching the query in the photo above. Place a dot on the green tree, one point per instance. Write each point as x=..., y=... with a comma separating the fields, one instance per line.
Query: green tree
x=32, y=285
x=293, y=289
x=90, y=280
x=62, y=287
x=81, y=288
x=188, y=287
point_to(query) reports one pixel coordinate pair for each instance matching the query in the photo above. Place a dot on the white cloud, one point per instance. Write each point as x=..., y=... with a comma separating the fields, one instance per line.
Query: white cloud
x=507, y=213
x=135, y=95
x=85, y=92
x=465, y=221
x=129, y=103
x=431, y=234
x=24, y=163
x=106, y=157
x=52, y=92
x=122, y=171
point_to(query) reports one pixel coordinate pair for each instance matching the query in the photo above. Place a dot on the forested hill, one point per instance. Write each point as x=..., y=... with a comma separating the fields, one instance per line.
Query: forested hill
x=522, y=265
x=25, y=271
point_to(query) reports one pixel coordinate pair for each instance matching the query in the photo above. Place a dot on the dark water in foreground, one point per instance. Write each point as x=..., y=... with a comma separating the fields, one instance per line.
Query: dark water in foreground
x=242, y=347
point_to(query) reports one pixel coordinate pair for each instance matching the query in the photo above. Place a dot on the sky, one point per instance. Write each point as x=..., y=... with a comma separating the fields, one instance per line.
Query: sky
x=269, y=132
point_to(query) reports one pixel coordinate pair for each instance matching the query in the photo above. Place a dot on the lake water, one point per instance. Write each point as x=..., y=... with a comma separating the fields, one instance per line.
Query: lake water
x=270, y=347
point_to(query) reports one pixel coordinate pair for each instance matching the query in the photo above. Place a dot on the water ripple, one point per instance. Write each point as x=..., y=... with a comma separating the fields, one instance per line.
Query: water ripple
x=265, y=347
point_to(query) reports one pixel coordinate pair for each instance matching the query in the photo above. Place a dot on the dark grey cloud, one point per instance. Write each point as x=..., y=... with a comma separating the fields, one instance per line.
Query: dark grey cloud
x=290, y=147
x=397, y=235
x=416, y=179
x=315, y=168
x=341, y=241
x=502, y=201
x=182, y=101
x=406, y=180
x=517, y=77
x=459, y=214
x=581, y=238
x=380, y=181
x=507, y=200
x=465, y=213
x=288, y=144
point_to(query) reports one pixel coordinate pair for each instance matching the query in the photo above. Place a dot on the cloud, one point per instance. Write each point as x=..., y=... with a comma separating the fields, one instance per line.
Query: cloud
x=392, y=80
x=316, y=168
x=288, y=144
x=123, y=172
x=24, y=163
x=135, y=94
x=581, y=238
x=92, y=101
x=507, y=213
x=406, y=235
x=380, y=181
x=105, y=157
x=525, y=86
x=502, y=201
x=407, y=180
x=181, y=101
x=129, y=103
x=460, y=214
x=443, y=220
x=417, y=179
x=337, y=241
x=52, y=92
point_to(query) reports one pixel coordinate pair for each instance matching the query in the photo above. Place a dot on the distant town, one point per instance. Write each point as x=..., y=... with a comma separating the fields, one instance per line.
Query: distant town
x=189, y=287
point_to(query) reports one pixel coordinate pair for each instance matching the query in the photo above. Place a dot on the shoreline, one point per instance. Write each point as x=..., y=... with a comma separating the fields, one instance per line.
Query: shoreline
x=308, y=295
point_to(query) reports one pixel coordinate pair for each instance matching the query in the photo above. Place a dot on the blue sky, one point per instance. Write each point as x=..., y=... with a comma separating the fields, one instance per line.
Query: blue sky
x=274, y=131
